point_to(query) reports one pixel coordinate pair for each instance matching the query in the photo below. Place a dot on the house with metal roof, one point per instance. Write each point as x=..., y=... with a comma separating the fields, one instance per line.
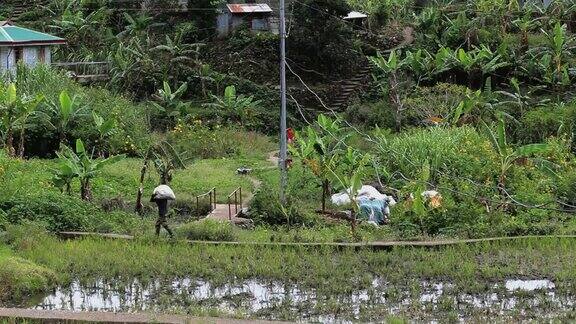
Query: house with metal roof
x=256, y=16
x=18, y=44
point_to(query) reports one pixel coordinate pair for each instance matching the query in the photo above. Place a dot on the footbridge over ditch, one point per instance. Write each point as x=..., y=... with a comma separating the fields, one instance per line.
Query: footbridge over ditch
x=236, y=202
x=230, y=211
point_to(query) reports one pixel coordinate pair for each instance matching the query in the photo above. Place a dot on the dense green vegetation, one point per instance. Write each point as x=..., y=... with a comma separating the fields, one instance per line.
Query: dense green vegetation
x=472, y=100
x=483, y=118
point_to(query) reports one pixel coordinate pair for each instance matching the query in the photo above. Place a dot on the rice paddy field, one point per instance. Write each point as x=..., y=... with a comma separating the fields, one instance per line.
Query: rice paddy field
x=515, y=280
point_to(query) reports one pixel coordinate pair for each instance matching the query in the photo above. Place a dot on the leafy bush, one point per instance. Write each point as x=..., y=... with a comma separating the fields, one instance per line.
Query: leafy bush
x=538, y=124
x=207, y=230
x=42, y=137
x=458, y=151
x=64, y=213
x=265, y=208
x=438, y=101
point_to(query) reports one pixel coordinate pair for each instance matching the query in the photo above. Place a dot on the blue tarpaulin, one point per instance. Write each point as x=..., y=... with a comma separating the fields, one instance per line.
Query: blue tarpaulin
x=372, y=210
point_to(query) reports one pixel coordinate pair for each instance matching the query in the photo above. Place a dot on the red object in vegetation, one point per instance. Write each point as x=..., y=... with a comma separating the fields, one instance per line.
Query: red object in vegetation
x=290, y=135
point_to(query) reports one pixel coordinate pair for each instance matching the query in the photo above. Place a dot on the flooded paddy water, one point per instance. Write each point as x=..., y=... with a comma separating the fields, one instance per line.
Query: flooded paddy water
x=418, y=300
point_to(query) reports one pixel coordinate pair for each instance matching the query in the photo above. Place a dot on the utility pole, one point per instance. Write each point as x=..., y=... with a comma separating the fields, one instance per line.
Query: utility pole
x=283, y=140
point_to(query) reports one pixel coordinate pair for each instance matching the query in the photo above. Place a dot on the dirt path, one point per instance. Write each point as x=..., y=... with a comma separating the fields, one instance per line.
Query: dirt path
x=106, y=317
x=272, y=157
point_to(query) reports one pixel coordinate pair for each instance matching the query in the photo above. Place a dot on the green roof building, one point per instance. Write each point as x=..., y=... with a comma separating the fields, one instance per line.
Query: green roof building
x=18, y=44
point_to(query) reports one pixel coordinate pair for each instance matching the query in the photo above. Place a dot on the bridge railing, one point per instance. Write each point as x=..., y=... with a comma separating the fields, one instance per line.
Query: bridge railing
x=236, y=202
x=211, y=194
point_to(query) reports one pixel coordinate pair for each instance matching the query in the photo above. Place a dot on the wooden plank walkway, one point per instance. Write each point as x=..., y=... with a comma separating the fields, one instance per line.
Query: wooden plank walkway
x=51, y=316
x=373, y=244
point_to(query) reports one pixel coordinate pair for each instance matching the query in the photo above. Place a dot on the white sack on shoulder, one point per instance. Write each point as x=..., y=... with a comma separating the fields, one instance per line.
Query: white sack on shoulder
x=164, y=192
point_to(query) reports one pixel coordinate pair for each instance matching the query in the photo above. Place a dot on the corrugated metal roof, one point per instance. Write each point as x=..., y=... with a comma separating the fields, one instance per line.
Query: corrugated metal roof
x=240, y=8
x=14, y=35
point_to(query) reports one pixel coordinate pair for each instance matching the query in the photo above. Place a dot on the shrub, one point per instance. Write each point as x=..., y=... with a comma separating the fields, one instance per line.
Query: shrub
x=438, y=101
x=543, y=122
x=63, y=213
x=459, y=151
x=265, y=208
x=42, y=139
x=207, y=230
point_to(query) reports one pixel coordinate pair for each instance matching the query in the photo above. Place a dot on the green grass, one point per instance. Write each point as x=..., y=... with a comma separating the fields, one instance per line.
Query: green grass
x=20, y=277
x=332, y=271
x=121, y=180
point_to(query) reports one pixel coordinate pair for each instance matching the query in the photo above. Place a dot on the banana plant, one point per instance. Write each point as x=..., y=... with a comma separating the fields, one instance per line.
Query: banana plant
x=318, y=148
x=351, y=183
x=479, y=61
x=553, y=59
x=15, y=110
x=242, y=107
x=105, y=128
x=170, y=103
x=165, y=159
x=525, y=25
x=509, y=155
x=63, y=113
x=391, y=68
x=79, y=164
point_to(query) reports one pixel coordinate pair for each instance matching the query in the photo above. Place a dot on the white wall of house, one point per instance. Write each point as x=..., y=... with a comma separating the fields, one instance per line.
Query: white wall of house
x=32, y=56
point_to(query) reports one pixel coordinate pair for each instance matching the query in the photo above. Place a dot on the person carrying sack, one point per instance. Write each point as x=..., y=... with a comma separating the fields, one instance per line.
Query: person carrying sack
x=161, y=195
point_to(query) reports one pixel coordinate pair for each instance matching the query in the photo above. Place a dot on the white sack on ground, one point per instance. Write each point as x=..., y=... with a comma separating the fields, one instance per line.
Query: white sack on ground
x=342, y=198
x=164, y=192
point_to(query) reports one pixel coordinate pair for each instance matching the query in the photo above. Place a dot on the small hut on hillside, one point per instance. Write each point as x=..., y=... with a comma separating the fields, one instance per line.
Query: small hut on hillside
x=257, y=16
x=18, y=44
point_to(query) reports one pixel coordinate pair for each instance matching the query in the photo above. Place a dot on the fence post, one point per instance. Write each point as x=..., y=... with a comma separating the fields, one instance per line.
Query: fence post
x=240, y=198
x=229, y=210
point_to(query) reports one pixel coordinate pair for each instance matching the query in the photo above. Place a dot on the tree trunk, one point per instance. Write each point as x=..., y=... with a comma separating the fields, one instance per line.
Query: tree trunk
x=85, y=190
x=325, y=188
x=353, y=222
x=165, y=178
x=10, y=142
x=396, y=100
x=139, y=205
x=21, y=145
x=61, y=138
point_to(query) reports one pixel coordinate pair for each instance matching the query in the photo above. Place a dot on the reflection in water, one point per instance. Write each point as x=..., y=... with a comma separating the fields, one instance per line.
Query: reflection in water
x=268, y=299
